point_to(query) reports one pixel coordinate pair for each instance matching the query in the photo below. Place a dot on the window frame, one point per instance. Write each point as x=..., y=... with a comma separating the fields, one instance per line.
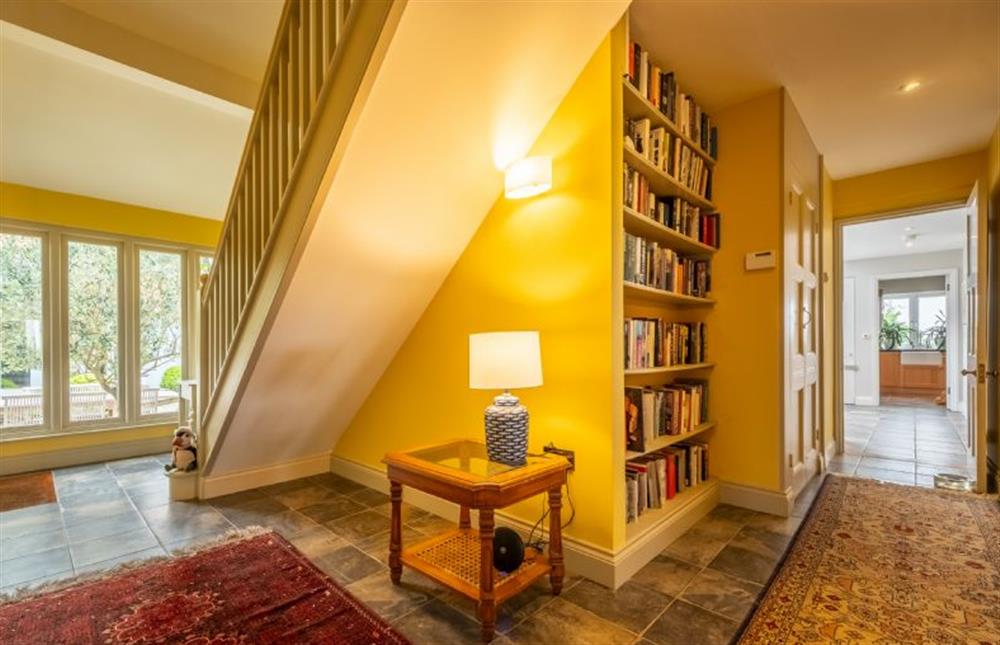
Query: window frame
x=55, y=326
x=913, y=308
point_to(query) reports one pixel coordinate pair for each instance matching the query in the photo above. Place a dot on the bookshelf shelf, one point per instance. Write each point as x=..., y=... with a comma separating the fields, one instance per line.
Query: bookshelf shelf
x=661, y=183
x=638, y=224
x=649, y=294
x=669, y=440
x=637, y=106
x=654, y=518
x=669, y=369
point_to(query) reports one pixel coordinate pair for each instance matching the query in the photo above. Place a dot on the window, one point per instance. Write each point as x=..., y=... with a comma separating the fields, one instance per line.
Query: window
x=160, y=331
x=93, y=331
x=914, y=321
x=21, y=334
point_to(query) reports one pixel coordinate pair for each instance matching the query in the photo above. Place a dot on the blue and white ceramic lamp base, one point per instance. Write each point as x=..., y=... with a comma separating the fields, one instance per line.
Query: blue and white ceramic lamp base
x=507, y=430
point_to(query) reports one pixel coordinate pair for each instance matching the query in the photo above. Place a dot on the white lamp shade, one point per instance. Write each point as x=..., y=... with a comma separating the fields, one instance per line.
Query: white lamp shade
x=528, y=177
x=504, y=360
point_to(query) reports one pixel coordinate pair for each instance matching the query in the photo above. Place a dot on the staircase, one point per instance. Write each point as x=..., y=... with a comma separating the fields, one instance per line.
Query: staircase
x=372, y=159
x=324, y=59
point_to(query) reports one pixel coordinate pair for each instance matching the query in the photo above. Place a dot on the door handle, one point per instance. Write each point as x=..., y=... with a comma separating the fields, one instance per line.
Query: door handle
x=992, y=373
x=970, y=372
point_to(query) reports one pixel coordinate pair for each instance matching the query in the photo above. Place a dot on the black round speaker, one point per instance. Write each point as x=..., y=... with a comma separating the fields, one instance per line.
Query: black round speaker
x=508, y=549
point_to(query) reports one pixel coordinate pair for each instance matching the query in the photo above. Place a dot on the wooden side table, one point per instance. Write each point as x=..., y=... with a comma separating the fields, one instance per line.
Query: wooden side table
x=462, y=559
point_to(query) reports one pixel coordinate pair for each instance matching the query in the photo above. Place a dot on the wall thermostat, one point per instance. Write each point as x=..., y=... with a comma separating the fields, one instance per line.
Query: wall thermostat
x=759, y=260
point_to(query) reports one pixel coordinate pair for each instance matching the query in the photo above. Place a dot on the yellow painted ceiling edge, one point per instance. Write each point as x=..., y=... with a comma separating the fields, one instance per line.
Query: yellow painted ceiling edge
x=544, y=264
x=77, y=211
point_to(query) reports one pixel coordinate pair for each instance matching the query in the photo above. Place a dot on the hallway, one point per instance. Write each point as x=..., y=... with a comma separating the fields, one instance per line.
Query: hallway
x=906, y=444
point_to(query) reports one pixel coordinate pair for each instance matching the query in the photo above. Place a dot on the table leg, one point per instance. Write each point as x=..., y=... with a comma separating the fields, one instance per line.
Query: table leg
x=396, y=532
x=463, y=518
x=555, y=541
x=487, y=606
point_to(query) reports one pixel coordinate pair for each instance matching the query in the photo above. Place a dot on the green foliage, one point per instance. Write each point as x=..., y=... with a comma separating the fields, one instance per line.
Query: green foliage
x=894, y=332
x=7, y=384
x=94, y=307
x=171, y=379
x=936, y=335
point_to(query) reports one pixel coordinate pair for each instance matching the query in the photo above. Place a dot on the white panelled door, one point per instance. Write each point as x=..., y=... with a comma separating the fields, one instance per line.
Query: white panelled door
x=801, y=338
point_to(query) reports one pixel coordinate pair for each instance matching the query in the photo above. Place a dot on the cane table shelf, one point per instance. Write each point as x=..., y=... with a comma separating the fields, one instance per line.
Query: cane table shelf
x=462, y=558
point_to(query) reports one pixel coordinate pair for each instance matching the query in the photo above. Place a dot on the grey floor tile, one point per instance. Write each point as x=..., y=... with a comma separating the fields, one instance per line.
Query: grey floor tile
x=369, y=497
x=722, y=594
x=359, y=526
x=136, y=557
x=102, y=526
x=236, y=499
x=289, y=523
x=377, y=546
x=305, y=496
x=336, y=483
x=253, y=512
x=286, y=486
x=42, y=564
x=885, y=475
x=407, y=512
x=684, y=623
x=666, y=575
x=89, y=512
x=392, y=601
x=109, y=495
x=437, y=623
x=332, y=509
x=889, y=464
x=776, y=524
x=317, y=542
x=114, y=546
x=29, y=543
x=431, y=524
x=179, y=521
x=703, y=541
x=631, y=606
x=150, y=495
x=751, y=555
x=350, y=562
x=567, y=623
x=511, y=612
x=186, y=545
x=30, y=521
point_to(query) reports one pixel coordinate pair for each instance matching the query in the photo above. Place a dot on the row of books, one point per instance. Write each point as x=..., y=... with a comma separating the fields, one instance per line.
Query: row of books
x=654, y=479
x=651, y=342
x=660, y=88
x=647, y=263
x=651, y=412
x=670, y=155
x=673, y=212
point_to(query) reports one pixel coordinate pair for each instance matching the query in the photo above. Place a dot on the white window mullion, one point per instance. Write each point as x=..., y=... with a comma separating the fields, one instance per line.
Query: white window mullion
x=53, y=326
x=129, y=336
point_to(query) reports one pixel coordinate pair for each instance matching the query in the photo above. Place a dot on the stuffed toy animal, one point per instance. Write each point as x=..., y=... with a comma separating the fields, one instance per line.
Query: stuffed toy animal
x=185, y=451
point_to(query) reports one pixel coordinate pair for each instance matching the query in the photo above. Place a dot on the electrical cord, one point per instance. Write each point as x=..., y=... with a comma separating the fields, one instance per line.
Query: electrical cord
x=540, y=544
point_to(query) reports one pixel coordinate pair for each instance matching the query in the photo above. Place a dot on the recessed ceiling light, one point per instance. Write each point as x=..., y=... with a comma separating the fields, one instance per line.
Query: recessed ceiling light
x=908, y=229
x=908, y=240
x=909, y=86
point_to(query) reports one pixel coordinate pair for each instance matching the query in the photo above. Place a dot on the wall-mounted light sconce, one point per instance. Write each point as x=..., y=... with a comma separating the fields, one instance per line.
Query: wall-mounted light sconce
x=528, y=177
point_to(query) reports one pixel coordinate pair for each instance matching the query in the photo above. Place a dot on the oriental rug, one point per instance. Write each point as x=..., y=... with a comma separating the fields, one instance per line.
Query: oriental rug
x=251, y=589
x=882, y=563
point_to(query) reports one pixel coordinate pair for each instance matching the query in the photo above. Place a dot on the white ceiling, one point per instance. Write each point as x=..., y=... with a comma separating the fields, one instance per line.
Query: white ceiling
x=842, y=62
x=938, y=231
x=75, y=122
x=234, y=34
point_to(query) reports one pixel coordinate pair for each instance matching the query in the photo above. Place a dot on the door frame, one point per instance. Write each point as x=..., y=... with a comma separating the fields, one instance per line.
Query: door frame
x=838, y=299
x=953, y=308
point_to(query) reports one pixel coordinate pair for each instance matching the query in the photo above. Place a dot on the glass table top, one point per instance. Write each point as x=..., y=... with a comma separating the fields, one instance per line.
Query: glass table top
x=467, y=456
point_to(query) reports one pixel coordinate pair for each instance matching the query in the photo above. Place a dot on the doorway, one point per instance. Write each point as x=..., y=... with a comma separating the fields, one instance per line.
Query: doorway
x=905, y=410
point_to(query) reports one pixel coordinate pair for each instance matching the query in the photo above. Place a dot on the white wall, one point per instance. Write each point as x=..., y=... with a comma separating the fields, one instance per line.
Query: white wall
x=866, y=274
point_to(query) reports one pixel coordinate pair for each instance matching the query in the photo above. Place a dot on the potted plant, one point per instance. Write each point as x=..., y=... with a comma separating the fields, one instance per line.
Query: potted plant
x=894, y=332
x=937, y=334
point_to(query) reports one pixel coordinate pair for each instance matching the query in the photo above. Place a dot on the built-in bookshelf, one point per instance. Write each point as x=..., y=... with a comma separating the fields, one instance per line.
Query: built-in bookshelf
x=671, y=232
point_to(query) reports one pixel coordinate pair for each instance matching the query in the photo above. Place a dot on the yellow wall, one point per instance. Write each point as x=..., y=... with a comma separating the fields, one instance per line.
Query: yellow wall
x=924, y=184
x=76, y=211
x=542, y=263
x=828, y=345
x=745, y=326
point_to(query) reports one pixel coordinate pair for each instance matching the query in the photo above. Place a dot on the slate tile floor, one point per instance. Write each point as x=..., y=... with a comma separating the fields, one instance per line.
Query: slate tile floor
x=905, y=444
x=697, y=591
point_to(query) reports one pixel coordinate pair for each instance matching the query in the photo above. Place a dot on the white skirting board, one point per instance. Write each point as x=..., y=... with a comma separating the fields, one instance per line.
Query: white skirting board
x=583, y=558
x=864, y=401
x=217, y=485
x=84, y=455
x=831, y=452
x=757, y=499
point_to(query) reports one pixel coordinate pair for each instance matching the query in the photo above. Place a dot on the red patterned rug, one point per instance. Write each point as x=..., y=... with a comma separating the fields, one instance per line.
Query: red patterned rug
x=255, y=589
x=884, y=563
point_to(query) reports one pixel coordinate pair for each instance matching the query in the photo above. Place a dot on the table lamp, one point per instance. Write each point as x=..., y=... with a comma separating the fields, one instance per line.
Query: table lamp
x=505, y=360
